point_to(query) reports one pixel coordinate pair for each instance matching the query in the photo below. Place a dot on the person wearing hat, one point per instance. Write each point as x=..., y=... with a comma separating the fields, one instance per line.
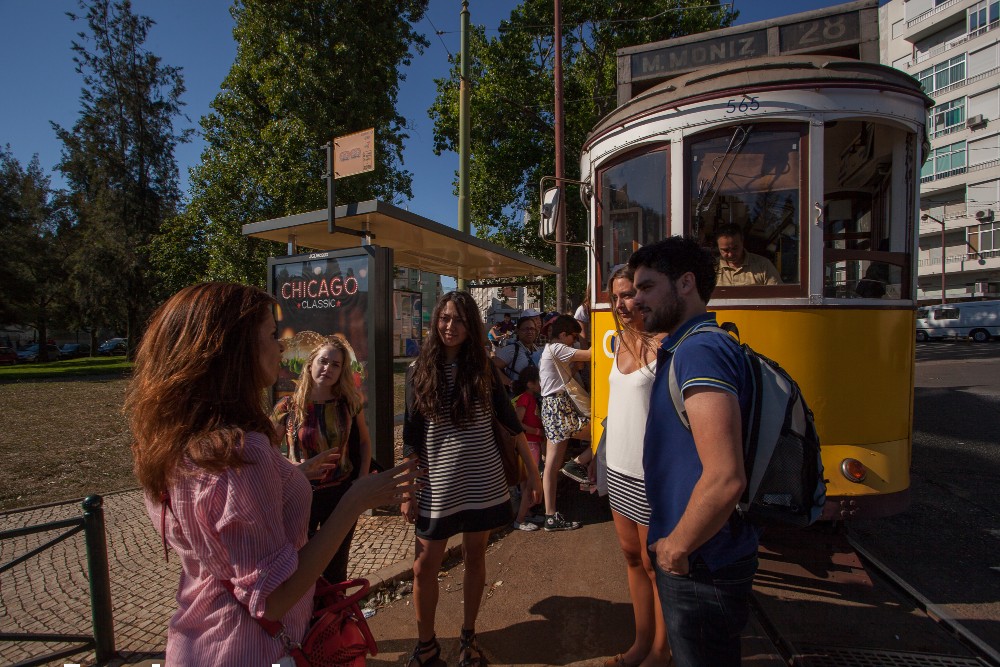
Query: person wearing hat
x=523, y=353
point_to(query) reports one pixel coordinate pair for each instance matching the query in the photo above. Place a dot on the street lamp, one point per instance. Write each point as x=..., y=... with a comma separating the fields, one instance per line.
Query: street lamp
x=925, y=217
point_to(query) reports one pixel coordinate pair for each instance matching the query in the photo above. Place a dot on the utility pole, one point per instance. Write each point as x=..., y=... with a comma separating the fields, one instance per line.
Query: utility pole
x=463, y=132
x=926, y=217
x=560, y=167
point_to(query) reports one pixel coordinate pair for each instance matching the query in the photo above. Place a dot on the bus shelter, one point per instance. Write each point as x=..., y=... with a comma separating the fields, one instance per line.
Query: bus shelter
x=342, y=283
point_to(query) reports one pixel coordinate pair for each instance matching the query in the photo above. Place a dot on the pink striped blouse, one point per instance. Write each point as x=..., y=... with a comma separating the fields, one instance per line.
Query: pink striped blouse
x=245, y=525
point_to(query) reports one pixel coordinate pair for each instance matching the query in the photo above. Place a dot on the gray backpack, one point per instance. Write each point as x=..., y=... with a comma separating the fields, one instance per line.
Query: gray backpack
x=781, y=451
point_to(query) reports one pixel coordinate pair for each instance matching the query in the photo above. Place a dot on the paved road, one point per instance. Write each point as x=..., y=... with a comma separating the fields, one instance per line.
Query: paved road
x=948, y=544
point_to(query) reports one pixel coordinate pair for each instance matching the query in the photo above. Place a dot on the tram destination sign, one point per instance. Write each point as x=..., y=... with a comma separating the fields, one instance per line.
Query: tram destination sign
x=850, y=29
x=685, y=57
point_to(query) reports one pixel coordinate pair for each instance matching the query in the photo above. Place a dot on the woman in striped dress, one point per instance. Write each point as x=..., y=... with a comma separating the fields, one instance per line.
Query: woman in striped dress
x=452, y=393
x=630, y=383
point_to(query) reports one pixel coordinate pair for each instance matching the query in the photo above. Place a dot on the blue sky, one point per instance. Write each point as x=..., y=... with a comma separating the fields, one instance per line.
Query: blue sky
x=40, y=84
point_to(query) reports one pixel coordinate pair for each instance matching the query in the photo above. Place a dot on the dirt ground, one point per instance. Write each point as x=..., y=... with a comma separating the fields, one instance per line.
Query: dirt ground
x=61, y=440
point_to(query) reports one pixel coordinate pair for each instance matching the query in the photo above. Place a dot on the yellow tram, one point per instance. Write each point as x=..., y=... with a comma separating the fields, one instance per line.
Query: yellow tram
x=817, y=159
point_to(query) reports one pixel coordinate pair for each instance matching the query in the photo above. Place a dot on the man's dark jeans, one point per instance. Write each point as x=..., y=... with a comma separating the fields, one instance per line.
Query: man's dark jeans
x=705, y=611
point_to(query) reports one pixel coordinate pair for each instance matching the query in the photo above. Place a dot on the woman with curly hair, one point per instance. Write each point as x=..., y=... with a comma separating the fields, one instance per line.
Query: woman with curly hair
x=326, y=413
x=452, y=394
x=232, y=508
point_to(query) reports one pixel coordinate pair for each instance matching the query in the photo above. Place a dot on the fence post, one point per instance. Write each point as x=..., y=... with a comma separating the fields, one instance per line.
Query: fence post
x=100, y=579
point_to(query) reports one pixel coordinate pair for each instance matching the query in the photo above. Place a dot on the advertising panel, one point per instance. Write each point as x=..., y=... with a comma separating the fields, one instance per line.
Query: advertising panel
x=347, y=292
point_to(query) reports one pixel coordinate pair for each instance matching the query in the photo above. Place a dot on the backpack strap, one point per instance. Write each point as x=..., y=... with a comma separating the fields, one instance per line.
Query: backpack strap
x=676, y=395
x=509, y=368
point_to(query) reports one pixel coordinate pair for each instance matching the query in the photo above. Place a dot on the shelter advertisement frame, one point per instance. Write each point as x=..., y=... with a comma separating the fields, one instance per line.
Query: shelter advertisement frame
x=347, y=292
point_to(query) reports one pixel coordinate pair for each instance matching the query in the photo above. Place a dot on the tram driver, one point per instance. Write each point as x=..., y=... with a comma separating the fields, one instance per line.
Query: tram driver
x=737, y=266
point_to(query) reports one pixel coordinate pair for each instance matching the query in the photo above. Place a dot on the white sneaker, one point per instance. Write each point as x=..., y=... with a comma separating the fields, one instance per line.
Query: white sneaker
x=525, y=526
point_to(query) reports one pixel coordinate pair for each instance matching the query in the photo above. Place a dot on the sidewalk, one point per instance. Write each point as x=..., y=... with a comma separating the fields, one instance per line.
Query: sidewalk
x=50, y=592
x=551, y=598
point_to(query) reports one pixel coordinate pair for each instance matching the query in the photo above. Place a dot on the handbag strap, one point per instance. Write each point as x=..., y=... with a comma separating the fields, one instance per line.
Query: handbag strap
x=564, y=373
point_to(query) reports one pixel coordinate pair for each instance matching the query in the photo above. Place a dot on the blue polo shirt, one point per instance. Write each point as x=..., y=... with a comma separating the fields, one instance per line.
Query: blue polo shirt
x=670, y=459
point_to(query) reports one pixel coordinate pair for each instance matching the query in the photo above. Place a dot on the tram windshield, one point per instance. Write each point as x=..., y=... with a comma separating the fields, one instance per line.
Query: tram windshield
x=633, y=201
x=745, y=188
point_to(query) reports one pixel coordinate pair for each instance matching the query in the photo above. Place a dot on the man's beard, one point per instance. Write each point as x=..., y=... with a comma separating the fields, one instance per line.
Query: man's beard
x=666, y=317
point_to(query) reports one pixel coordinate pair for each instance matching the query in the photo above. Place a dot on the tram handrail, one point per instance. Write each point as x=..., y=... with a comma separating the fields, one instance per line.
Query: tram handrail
x=102, y=639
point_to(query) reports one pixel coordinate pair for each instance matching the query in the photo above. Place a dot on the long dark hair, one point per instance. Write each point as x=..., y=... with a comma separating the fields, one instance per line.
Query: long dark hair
x=473, y=381
x=197, y=384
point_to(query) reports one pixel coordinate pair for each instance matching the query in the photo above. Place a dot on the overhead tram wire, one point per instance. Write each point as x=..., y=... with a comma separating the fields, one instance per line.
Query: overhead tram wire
x=439, y=34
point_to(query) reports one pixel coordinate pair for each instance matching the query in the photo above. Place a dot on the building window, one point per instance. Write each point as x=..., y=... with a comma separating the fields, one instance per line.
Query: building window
x=985, y=237
x=983, y=14
x=943, y=74
x=947, y=118
x=944, y=161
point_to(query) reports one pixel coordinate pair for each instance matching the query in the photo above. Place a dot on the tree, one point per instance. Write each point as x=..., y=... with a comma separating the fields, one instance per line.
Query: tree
x=305, y=71
x=512, y=105
x=118, y=160
x=32, y=271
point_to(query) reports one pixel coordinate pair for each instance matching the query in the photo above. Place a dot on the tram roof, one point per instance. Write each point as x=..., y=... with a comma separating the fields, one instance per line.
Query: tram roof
x=417, y=242
x=761, y=74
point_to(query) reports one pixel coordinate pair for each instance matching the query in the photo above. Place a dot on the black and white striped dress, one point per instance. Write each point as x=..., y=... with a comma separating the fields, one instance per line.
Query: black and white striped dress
x=466, y=490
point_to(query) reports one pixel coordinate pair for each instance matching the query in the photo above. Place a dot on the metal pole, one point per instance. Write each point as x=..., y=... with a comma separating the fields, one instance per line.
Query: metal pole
x=100, y=579
x=331, y=191
x=560, y=168
x=943, y=298
x=463, y=132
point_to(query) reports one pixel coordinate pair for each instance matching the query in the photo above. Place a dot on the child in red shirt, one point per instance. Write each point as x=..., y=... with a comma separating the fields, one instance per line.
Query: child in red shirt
x=526, y=391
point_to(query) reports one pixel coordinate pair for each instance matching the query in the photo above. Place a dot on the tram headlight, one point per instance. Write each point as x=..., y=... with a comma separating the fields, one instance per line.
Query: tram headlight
x=854, y=470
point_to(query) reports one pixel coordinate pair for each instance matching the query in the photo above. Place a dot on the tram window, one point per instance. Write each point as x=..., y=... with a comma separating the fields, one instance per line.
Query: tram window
x=633, y=207
x=865, y=247
x=861, y=279
x=744, y=189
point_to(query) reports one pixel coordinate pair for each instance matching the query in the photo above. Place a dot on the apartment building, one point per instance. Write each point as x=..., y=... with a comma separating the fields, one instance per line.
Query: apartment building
x=953, y=48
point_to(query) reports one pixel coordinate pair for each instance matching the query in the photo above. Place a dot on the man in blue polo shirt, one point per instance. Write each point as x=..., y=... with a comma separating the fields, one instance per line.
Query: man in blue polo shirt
x=704, y=556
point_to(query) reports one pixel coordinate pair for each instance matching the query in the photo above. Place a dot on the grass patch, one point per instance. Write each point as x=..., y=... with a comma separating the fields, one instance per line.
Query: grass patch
x=70, y=368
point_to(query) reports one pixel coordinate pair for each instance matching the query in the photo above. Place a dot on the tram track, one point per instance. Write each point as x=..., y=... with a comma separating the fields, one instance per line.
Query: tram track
x=824, y=600
x=936, y=612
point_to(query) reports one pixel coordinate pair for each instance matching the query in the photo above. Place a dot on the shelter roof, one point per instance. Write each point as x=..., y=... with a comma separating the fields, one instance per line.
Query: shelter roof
x=417, y=242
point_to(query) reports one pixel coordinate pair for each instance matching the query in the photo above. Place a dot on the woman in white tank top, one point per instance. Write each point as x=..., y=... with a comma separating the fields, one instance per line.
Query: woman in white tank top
x=630, y=383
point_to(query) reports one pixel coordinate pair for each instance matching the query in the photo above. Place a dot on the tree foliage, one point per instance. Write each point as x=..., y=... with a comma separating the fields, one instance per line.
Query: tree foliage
x=512, y=105
x=118, y=160
x=305, y=72
x=31, y=271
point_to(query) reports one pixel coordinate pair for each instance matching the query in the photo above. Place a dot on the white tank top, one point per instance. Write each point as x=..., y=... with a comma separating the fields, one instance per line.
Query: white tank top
x=628, y=406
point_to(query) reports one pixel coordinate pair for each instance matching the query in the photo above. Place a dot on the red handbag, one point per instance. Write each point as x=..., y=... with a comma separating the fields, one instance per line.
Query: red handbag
x=338, y=635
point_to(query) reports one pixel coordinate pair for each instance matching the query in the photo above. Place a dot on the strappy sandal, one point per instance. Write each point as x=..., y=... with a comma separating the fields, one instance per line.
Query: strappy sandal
x=470, y=655
x=431, y=660
x=618, y=661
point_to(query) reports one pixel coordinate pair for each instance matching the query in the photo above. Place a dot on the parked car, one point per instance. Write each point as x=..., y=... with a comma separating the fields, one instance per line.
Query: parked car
x=30, y=353
x=978, y=320
x=113, y=346
x=8, y=356
x=73, y=350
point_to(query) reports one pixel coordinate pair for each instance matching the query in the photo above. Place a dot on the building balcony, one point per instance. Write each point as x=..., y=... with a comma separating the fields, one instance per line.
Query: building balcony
x=927, y=23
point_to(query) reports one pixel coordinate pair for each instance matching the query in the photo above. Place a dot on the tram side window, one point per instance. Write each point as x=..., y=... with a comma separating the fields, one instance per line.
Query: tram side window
x=744, y=189
x=865, y=254
x=633, y=207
